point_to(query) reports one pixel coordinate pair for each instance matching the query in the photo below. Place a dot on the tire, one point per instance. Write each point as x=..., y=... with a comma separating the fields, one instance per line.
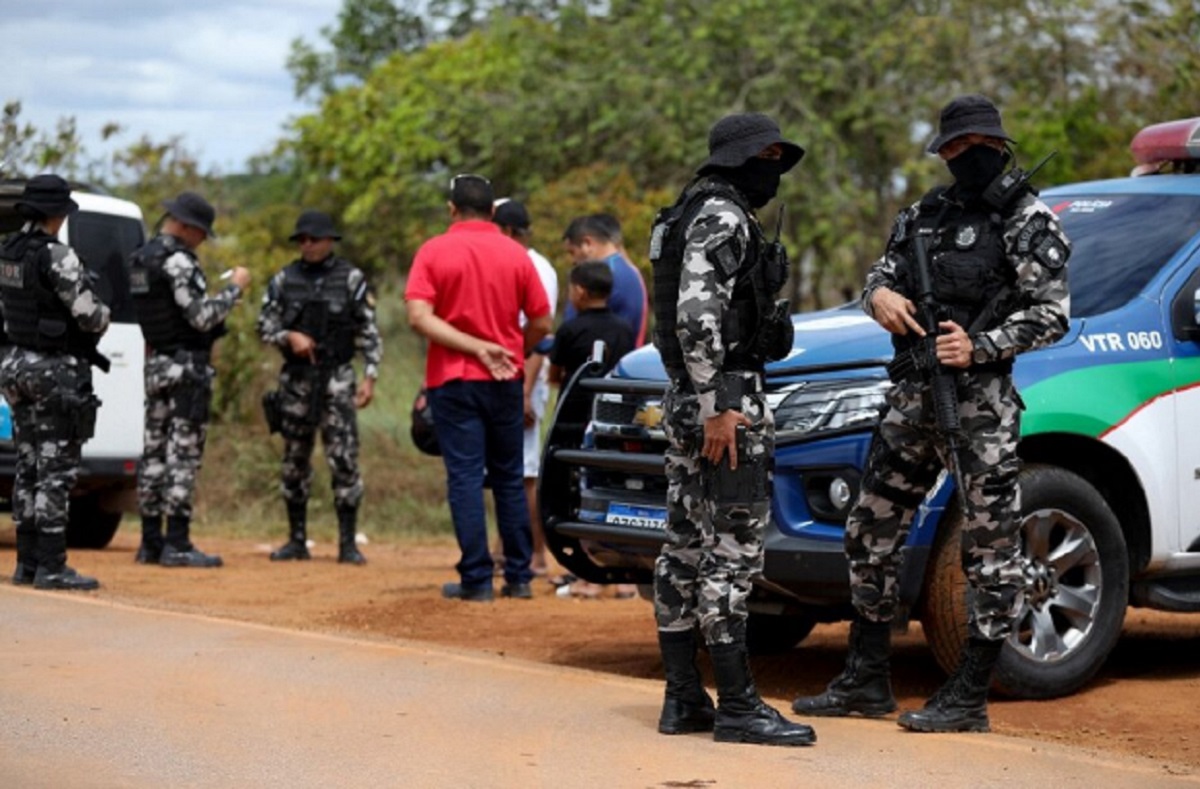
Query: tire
x=1075, y=604
x=89, y=525
x=771, y=634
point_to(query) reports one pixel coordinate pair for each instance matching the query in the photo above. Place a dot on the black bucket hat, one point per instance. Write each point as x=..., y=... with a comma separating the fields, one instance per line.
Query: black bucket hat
x=192, y=209
x=315, y=224
x=735, y=139
x=970, y=114
x=46, y=196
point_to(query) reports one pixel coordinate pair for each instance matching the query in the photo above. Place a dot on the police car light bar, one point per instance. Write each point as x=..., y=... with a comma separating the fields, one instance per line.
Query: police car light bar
x=1174, y=141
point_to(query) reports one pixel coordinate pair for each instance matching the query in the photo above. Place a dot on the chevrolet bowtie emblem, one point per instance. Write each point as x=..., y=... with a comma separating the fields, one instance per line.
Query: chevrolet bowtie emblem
x=649, y=416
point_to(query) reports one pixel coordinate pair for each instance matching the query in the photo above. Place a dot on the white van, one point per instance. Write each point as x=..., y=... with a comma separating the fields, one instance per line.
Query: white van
x=103, y=232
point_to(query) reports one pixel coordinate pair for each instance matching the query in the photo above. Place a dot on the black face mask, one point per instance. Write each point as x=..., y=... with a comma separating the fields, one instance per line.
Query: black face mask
x=976, y=167
x=757, y=179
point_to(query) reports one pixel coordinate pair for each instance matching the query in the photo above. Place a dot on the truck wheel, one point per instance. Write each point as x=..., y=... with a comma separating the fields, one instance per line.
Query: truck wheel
x=1077, y=569
x=90, y=526
x=770, y=634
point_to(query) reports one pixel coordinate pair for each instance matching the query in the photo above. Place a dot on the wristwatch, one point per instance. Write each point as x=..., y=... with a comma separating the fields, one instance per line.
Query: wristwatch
x=981, y=352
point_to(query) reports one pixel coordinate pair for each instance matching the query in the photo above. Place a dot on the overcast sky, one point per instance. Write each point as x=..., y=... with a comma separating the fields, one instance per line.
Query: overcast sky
x=212, y=71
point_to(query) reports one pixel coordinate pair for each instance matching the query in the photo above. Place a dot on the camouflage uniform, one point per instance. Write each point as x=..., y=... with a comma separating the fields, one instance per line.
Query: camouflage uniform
x=717, y=324
x=908, y=454
x=714, y=546
x=50, y=393
x=338, y=420
x=179, y=393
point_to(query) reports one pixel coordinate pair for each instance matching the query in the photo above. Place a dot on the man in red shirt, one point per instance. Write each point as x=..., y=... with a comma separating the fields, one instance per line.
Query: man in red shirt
x=465, y=293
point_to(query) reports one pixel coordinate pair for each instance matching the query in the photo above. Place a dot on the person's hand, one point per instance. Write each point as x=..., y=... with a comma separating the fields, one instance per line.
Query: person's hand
x=240, y=277
x=499, y=361
x=954, y=345
x=365, y=393
x=530, y=416
x=303, y=346
x=720, y=434
x=894, y=312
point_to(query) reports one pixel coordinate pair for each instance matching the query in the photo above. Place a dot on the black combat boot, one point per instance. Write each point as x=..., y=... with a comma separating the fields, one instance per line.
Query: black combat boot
x=864, y=686
x=961, y=703
x=151, y=548
x=178, y=550
x=296, y=548
x=27, y=562
x=52, y=571
x=348, y=552
x=686, y=707
x=742, y=716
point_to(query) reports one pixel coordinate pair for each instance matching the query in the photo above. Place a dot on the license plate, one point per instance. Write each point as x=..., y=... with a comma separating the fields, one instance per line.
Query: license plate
x=632, y=515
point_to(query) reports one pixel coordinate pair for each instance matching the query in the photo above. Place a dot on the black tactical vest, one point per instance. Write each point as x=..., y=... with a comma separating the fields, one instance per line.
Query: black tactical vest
x=316, y=302
x=34, y=315
x=973, y=282
x=667, y=243
x=163, y=323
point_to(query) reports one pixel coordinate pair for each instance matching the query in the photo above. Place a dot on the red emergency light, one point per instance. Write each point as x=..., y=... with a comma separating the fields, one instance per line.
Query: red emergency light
x=1162, y=143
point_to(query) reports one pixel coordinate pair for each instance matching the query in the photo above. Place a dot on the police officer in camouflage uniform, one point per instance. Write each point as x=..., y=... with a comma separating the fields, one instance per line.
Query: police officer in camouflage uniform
x=54, y=320
x=998, y=257
x=180, y=323
x=717, y=323
x=318, y=311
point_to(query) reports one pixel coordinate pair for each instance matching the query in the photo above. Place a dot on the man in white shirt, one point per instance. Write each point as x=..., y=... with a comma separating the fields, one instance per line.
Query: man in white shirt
x=514, y=222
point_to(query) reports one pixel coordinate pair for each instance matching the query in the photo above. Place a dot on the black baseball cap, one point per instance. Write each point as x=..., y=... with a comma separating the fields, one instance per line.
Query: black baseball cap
x=510, y=213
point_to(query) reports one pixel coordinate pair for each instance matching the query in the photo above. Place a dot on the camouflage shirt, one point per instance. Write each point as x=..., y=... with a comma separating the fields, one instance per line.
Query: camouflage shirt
x=716, y=244
x=71, y=282
x=190, y=288
x=1037, y=249
x=362, y=301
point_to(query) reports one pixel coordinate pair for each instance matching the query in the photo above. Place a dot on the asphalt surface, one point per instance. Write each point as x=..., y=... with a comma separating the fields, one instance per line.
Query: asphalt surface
x=94, y=694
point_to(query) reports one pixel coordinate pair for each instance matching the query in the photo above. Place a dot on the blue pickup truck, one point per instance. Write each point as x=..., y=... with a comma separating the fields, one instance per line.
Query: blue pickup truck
x=1110, y=445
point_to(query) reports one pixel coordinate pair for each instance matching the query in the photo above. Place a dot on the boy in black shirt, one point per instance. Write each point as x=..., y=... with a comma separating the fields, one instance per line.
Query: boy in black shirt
x=591, y=283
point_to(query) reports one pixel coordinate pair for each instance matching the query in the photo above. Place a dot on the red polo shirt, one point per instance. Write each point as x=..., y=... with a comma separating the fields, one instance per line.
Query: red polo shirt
x=479, y=281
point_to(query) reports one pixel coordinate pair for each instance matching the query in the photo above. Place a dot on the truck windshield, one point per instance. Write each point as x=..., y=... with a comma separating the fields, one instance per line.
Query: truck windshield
x=1119, y=242
x=104, y=242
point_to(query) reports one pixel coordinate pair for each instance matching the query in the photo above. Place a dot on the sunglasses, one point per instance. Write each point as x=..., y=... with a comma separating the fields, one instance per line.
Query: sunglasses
x=471, y=176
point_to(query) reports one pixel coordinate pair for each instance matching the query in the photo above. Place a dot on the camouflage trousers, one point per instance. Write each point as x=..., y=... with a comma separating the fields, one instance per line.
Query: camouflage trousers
x=714, y=545
x=178, y=397
x=905, y=459
x=45, y=391
x=337, y=422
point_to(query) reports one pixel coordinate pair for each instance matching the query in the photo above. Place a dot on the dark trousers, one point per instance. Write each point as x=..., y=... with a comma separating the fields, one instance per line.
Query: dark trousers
x=480, y=427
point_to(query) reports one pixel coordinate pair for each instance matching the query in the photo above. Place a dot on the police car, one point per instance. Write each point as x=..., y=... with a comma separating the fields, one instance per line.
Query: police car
x=103, y=232
x=1110, y=447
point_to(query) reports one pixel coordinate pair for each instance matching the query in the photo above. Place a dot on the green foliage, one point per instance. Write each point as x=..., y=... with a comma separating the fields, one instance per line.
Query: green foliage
x=536, y=94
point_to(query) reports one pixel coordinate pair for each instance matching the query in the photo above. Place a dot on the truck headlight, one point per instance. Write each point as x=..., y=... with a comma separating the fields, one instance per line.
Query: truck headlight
x=829, y=405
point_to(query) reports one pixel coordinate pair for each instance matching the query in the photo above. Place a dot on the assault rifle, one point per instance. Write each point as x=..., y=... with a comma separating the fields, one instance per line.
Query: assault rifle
x=942, y=380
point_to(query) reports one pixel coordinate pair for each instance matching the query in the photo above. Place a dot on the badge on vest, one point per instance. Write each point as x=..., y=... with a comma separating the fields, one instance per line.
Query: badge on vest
x=11, y=274
x=966, y=238
x=139, y=281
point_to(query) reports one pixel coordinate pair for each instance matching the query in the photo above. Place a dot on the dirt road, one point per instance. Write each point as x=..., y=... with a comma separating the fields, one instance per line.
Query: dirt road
x=100, y=694
x=1143, y=703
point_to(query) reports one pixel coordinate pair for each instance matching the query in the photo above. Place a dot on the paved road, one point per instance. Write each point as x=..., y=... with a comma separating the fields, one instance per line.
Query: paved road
x=94, y=694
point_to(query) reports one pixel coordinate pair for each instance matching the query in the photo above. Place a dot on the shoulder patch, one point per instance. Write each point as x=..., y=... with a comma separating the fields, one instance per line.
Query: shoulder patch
x=197, y=281
x=726, y=256
x=1033, y=228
